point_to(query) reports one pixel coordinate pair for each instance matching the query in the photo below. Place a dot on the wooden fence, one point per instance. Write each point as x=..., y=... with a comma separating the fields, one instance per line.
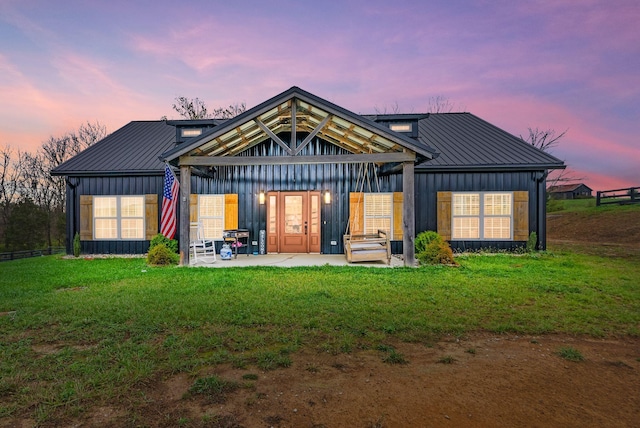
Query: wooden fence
x=630, y=195
x=14, y=255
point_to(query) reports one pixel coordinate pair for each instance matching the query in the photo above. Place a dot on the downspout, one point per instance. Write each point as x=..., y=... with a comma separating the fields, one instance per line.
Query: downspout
x=73, y=187
x=541, y=211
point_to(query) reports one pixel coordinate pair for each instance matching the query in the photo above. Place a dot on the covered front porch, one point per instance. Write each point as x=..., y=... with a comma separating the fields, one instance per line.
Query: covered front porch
x=275, y=147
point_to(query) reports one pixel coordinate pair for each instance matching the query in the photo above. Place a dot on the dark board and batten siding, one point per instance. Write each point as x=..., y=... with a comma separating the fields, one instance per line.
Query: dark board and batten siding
x=338, y=179
x=105, y=186
x=429, y=184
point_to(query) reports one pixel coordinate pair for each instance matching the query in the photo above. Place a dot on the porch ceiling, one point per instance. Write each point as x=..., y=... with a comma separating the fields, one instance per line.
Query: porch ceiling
x=308, y=119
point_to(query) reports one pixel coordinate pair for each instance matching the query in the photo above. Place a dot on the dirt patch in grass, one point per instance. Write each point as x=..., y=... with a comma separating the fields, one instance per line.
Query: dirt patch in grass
x=509, y=381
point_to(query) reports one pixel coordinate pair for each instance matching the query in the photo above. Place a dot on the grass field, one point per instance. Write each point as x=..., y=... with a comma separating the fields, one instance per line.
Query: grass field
x=78, y=332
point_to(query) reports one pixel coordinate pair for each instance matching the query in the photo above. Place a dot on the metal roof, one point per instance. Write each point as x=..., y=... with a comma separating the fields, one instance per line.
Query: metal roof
x=304, y=112
x=466, y=142
x=131, y=150
x=457, y=141
x=562, y=188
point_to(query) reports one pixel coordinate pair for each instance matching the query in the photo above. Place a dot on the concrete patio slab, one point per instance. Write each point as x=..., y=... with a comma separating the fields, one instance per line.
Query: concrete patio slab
x=294, y=260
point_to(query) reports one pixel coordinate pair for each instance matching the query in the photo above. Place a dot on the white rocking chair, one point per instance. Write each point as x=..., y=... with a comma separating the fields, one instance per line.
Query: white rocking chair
x=202, y=249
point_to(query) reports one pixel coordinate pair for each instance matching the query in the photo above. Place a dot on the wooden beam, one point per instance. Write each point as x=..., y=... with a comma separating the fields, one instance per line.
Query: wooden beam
x=294, y=139
x=273, y=136
x=408, y=214
x=312, y=134
x=185, y=198
x=295, y=160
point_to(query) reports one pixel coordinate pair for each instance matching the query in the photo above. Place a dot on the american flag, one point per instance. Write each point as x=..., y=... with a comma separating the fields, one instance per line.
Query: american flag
x=169, y=203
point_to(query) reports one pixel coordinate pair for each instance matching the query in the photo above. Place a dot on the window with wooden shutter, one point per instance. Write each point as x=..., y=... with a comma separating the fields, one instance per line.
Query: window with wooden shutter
x=231, y=211
x=151, y=216
x=520, y=216
x=86, y=217
x=378, y=212
x=491, y=216
x=370, y=212
x=216, y=212
x=398, y=199
x=118, y=217
x=443, y=215
x=356, y=213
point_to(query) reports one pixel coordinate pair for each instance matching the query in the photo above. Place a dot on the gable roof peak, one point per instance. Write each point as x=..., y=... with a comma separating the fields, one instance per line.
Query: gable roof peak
x=313, y=115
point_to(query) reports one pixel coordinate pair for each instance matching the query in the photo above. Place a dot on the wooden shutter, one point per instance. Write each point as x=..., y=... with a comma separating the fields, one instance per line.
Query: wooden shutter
x=86, y=217
x=356, y=213
x=193, y=208
x=151, y=216
x=520, y=216
x=231, y=211
x=444, y=215
x=397, y=216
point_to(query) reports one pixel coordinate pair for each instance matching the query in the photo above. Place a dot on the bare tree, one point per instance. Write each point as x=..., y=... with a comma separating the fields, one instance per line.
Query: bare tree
x=191, y=108
x=439, y=104
x=195, y=108
x=544, y=140
x=232, y=111
x=10, y=170
x=393, y=109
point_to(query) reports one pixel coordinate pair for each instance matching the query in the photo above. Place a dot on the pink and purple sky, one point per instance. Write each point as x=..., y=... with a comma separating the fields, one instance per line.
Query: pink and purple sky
x=560, y=64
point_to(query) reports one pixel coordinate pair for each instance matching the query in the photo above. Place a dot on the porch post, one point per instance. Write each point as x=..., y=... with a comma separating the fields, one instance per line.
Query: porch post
x=185, y=198
x=408, y=214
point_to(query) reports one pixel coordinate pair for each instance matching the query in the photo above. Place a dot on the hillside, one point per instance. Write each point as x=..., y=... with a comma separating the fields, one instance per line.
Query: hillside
x=612, y=230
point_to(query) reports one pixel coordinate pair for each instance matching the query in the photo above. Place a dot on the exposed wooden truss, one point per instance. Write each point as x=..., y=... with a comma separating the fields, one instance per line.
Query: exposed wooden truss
x=296, y=117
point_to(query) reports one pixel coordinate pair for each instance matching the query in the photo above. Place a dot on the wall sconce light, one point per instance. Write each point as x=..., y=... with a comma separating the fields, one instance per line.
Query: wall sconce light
x=261, y=197
x=327, y=197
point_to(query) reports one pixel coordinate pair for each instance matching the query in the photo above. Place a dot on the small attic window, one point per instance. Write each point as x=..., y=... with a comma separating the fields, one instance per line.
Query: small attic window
x=401, y=127
x=190, y=132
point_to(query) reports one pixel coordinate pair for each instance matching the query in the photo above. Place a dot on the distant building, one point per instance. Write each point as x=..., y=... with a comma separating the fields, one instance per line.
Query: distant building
x=570, y=191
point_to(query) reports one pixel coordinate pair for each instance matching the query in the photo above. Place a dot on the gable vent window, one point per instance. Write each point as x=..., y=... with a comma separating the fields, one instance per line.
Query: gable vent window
x=190, y=132
x=401, y=127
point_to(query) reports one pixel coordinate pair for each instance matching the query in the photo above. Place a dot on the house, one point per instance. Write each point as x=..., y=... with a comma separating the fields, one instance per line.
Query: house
x=298, y=172
x=570, y=191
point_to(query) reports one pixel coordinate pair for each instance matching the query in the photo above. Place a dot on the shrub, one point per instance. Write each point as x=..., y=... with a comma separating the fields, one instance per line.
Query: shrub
x=425, y=238
x=531, y=243
x=171, y=244
x=76, y=245
x=436, y=250
x=160, y=255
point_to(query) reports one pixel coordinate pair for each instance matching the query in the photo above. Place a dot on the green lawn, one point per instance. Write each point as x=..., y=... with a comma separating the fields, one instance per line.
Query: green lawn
x=77, y=332
x=588, y=206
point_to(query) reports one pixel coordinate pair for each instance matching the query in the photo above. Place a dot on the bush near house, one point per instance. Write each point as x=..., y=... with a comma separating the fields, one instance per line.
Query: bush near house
x=432, y=249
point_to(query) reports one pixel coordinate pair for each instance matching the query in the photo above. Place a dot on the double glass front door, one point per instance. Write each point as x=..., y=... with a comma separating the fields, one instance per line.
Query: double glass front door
x=293, y=222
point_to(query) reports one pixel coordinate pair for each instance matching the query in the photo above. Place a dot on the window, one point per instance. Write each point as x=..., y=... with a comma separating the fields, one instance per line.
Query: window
x=378, y=212
x=482, y=216
x=211, y=214
x=369, y=212
x=119, y=217
x=401, y=127
x=190, y=132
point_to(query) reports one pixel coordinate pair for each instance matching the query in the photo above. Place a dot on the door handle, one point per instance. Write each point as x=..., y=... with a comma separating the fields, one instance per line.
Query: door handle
x=305, y=227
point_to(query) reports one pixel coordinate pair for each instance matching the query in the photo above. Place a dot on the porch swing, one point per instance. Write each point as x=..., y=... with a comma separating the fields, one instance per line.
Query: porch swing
x=365, y=247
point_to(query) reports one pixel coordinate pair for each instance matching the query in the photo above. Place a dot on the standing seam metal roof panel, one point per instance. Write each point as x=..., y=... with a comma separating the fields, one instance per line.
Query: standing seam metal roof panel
x=132, y=149
x=466, y=141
